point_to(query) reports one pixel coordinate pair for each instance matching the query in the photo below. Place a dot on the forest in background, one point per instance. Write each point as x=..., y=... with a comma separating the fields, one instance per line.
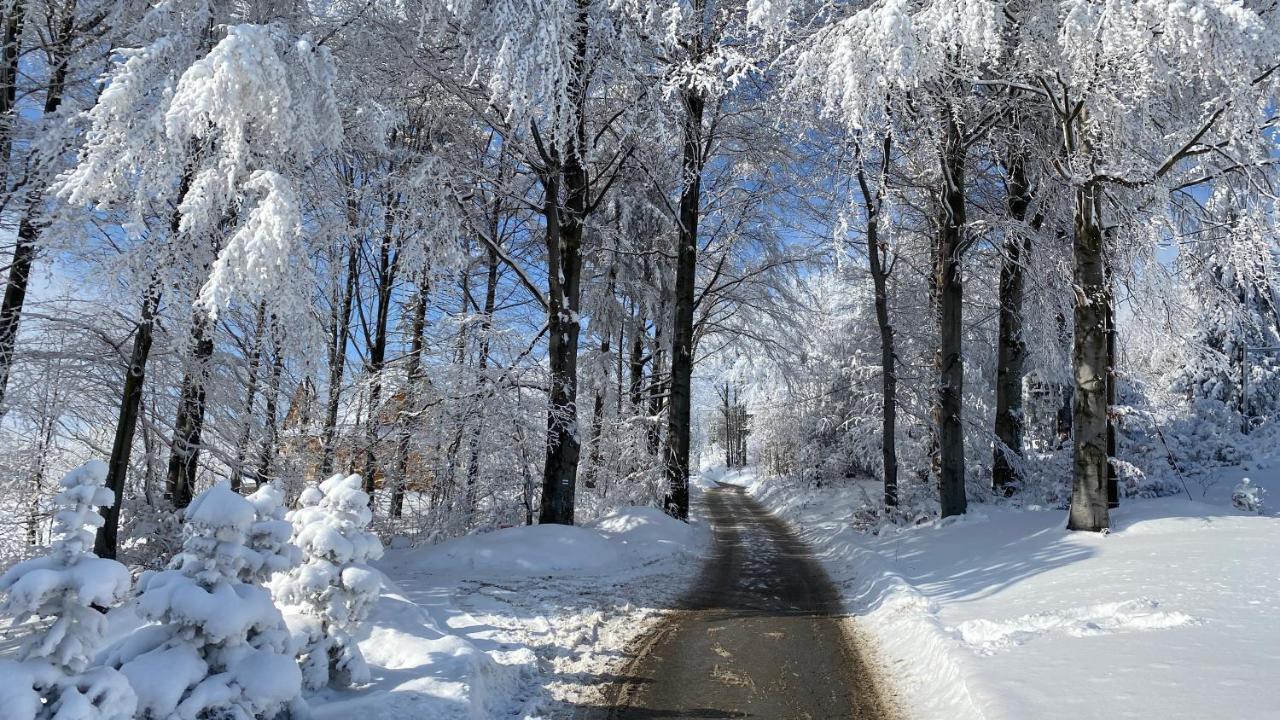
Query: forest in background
x=500, y=258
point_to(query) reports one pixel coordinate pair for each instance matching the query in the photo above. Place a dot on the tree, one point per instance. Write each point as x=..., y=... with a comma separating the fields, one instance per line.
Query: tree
x=217, y=644
x=334, y=589
x=881, y=265
x=1111, y=75
x=53, y=676
x=907, y=80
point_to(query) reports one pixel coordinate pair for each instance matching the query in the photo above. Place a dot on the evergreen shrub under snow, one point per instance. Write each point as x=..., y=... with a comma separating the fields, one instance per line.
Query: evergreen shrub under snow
x=217, y=646
x=333, y=589
x=70, y=587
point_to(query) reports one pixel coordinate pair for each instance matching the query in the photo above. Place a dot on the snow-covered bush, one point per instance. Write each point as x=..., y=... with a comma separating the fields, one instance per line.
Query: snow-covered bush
x=53, y=677
x=1247, y=496
x=269, y=536
x=333, y=590
x=218, y=646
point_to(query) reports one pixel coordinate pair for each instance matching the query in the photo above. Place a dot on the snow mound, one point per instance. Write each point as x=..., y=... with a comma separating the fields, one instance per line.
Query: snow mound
x=647, y=533
x=626, y=537
x=418, y=670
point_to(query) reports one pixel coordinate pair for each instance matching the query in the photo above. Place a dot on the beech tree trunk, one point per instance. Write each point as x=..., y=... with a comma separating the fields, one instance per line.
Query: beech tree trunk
x=1113, y=481
x=482, y=363
x=338, y=337
x=564, y=251
x=14, y=20
x=597, y=408
x=1090, y=363
x=597, y=420
x=950, y=331
x=271, y=428
x=408, y=421
x=251, y=394
x=1010, y=349
x=636, y=363
x=657, y=385
x=105, y=543
x=678, y=412
x=388, y=263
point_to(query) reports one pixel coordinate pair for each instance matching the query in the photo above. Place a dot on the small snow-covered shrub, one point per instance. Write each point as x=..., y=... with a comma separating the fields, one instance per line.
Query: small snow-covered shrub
x=52, y=677
x=334, y=589
x=1247, y=496
x=218, y=646
x=269, y=536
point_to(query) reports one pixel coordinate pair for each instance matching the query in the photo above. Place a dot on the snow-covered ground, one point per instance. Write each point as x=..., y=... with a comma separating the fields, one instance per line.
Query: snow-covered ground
x=1005, y=614
x=516, y=623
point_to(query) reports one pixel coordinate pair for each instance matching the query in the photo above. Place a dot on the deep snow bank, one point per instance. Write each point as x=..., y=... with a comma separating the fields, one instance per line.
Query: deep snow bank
x=624, y=538
x=418, y=671
x=1005, y=614
x=532, y=617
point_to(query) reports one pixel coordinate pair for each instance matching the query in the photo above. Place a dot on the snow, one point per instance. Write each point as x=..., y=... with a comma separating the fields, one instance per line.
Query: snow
x=181, y=666
x=62, y=587
x=1175, y=613
x=217, y=644
x=518, y=622
x=621, y=538
x=333, y=585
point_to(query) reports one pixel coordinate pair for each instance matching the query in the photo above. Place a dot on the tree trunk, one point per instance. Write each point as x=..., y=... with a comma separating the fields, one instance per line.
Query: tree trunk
x=131, y=403
x=388, y=259
x=188, y=424
x=1062, y=425
x=490, y=302
x=251, y=395
x=1011, y=350
x=270, y=427
x=1090, y=363
x=564, y=263
x=950, y=360
x=24, y=250
x=678, y=412
x=878, y=257
x=338, y=337
x=14, y=19
x=597, y=408
x=413, y=376
x=726, y=411
x=564, y=247
x=48, y=423
x=1113, y=481
x=657, y=385
x=597, y=421
x=636, y=362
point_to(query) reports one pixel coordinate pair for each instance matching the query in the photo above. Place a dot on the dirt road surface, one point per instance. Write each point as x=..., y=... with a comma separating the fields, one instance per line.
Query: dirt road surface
x=761, y=635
